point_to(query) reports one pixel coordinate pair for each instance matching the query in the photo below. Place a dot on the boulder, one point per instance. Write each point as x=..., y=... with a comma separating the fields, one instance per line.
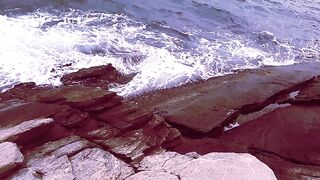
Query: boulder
x=10, y=157
x=209, y=166
x=207, y=106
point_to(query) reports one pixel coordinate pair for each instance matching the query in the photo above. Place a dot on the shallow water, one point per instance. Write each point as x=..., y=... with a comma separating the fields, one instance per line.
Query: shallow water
x=167, y=43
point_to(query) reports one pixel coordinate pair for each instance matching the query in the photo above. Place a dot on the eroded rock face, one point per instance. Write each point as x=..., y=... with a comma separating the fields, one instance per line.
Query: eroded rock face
x=98, y=164
x=210, y=166
x=10, y=157
x=202, y=107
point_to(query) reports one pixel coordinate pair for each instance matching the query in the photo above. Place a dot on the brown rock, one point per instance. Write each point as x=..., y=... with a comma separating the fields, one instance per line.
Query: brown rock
x=99, y=76
x=26, y=131
x=76, y=96
x=14, y=112
x=291, y=132
x=288, y=170
x=22, y=91
x=206, y=145
x=202, y=107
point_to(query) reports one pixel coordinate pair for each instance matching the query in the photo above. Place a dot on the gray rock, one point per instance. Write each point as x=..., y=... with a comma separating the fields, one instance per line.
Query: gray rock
x=95, y=163
x=10, y=156
x=18, y=131
x=163, y=162
x=26, y=174
x=210, y=166
x=54, y=168
x=154, y=175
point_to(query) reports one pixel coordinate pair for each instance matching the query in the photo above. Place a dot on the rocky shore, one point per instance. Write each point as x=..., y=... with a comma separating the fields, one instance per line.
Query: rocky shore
x=253, y=124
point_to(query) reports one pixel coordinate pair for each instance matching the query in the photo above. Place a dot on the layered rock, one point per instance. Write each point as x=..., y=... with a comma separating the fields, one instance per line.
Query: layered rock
x=206, y=107
x=271, y=113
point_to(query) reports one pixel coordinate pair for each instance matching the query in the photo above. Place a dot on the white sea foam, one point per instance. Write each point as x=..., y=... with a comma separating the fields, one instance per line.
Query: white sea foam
x=33, y=44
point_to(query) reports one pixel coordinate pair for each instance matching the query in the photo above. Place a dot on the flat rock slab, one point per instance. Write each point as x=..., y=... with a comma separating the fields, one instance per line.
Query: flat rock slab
x=209, y=166
x=291, y=132
x=26, y=130
x=206, y=105
x=154, y=175
x=98, y=164
x=10, y=156
x=16, y=111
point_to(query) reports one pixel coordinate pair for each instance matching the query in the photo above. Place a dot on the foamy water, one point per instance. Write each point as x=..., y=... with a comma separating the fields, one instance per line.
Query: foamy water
x=35, y=46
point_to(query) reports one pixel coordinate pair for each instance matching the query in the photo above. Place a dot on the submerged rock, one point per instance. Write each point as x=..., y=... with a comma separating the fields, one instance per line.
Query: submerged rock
x=10, y=157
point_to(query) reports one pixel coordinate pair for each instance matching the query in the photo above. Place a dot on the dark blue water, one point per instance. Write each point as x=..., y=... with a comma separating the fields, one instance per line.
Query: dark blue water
x=167, y=42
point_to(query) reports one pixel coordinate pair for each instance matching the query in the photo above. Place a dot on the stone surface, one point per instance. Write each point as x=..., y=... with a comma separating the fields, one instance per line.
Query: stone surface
x=26, y=130
x=97, y=164
x=98, y=76
x=66, y=146
x=204, y=146
x=201, y=107
x=291, y=132
x=153, y=175
x=22, y=91
x=15, y=111
x=10, y=156
x=209, y=166
x=26, y=174
x=52, y=167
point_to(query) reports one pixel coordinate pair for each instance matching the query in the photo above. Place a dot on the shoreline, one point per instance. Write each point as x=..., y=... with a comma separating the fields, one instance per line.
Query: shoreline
x=184, y=119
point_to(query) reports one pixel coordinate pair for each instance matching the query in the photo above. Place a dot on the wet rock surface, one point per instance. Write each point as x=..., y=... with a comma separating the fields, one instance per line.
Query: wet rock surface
x=62, y=132
x=98, y=76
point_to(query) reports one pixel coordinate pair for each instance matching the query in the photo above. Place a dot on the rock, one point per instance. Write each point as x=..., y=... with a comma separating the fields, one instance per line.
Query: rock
x=10, y=157
x=210, y=166
x=15, y=111
x=98, y=76
x=290, y=132
x=71, y=118
x=309, y=94
x=66, y=146
x=22, y=91
x=26, y=131
x=26, y=174
x=76, y=96
x=164, y=162
x=204, y=146
x=106, y=166
x=154, y=175
x=207, y=106
x=286, y=169
x=52, y=167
